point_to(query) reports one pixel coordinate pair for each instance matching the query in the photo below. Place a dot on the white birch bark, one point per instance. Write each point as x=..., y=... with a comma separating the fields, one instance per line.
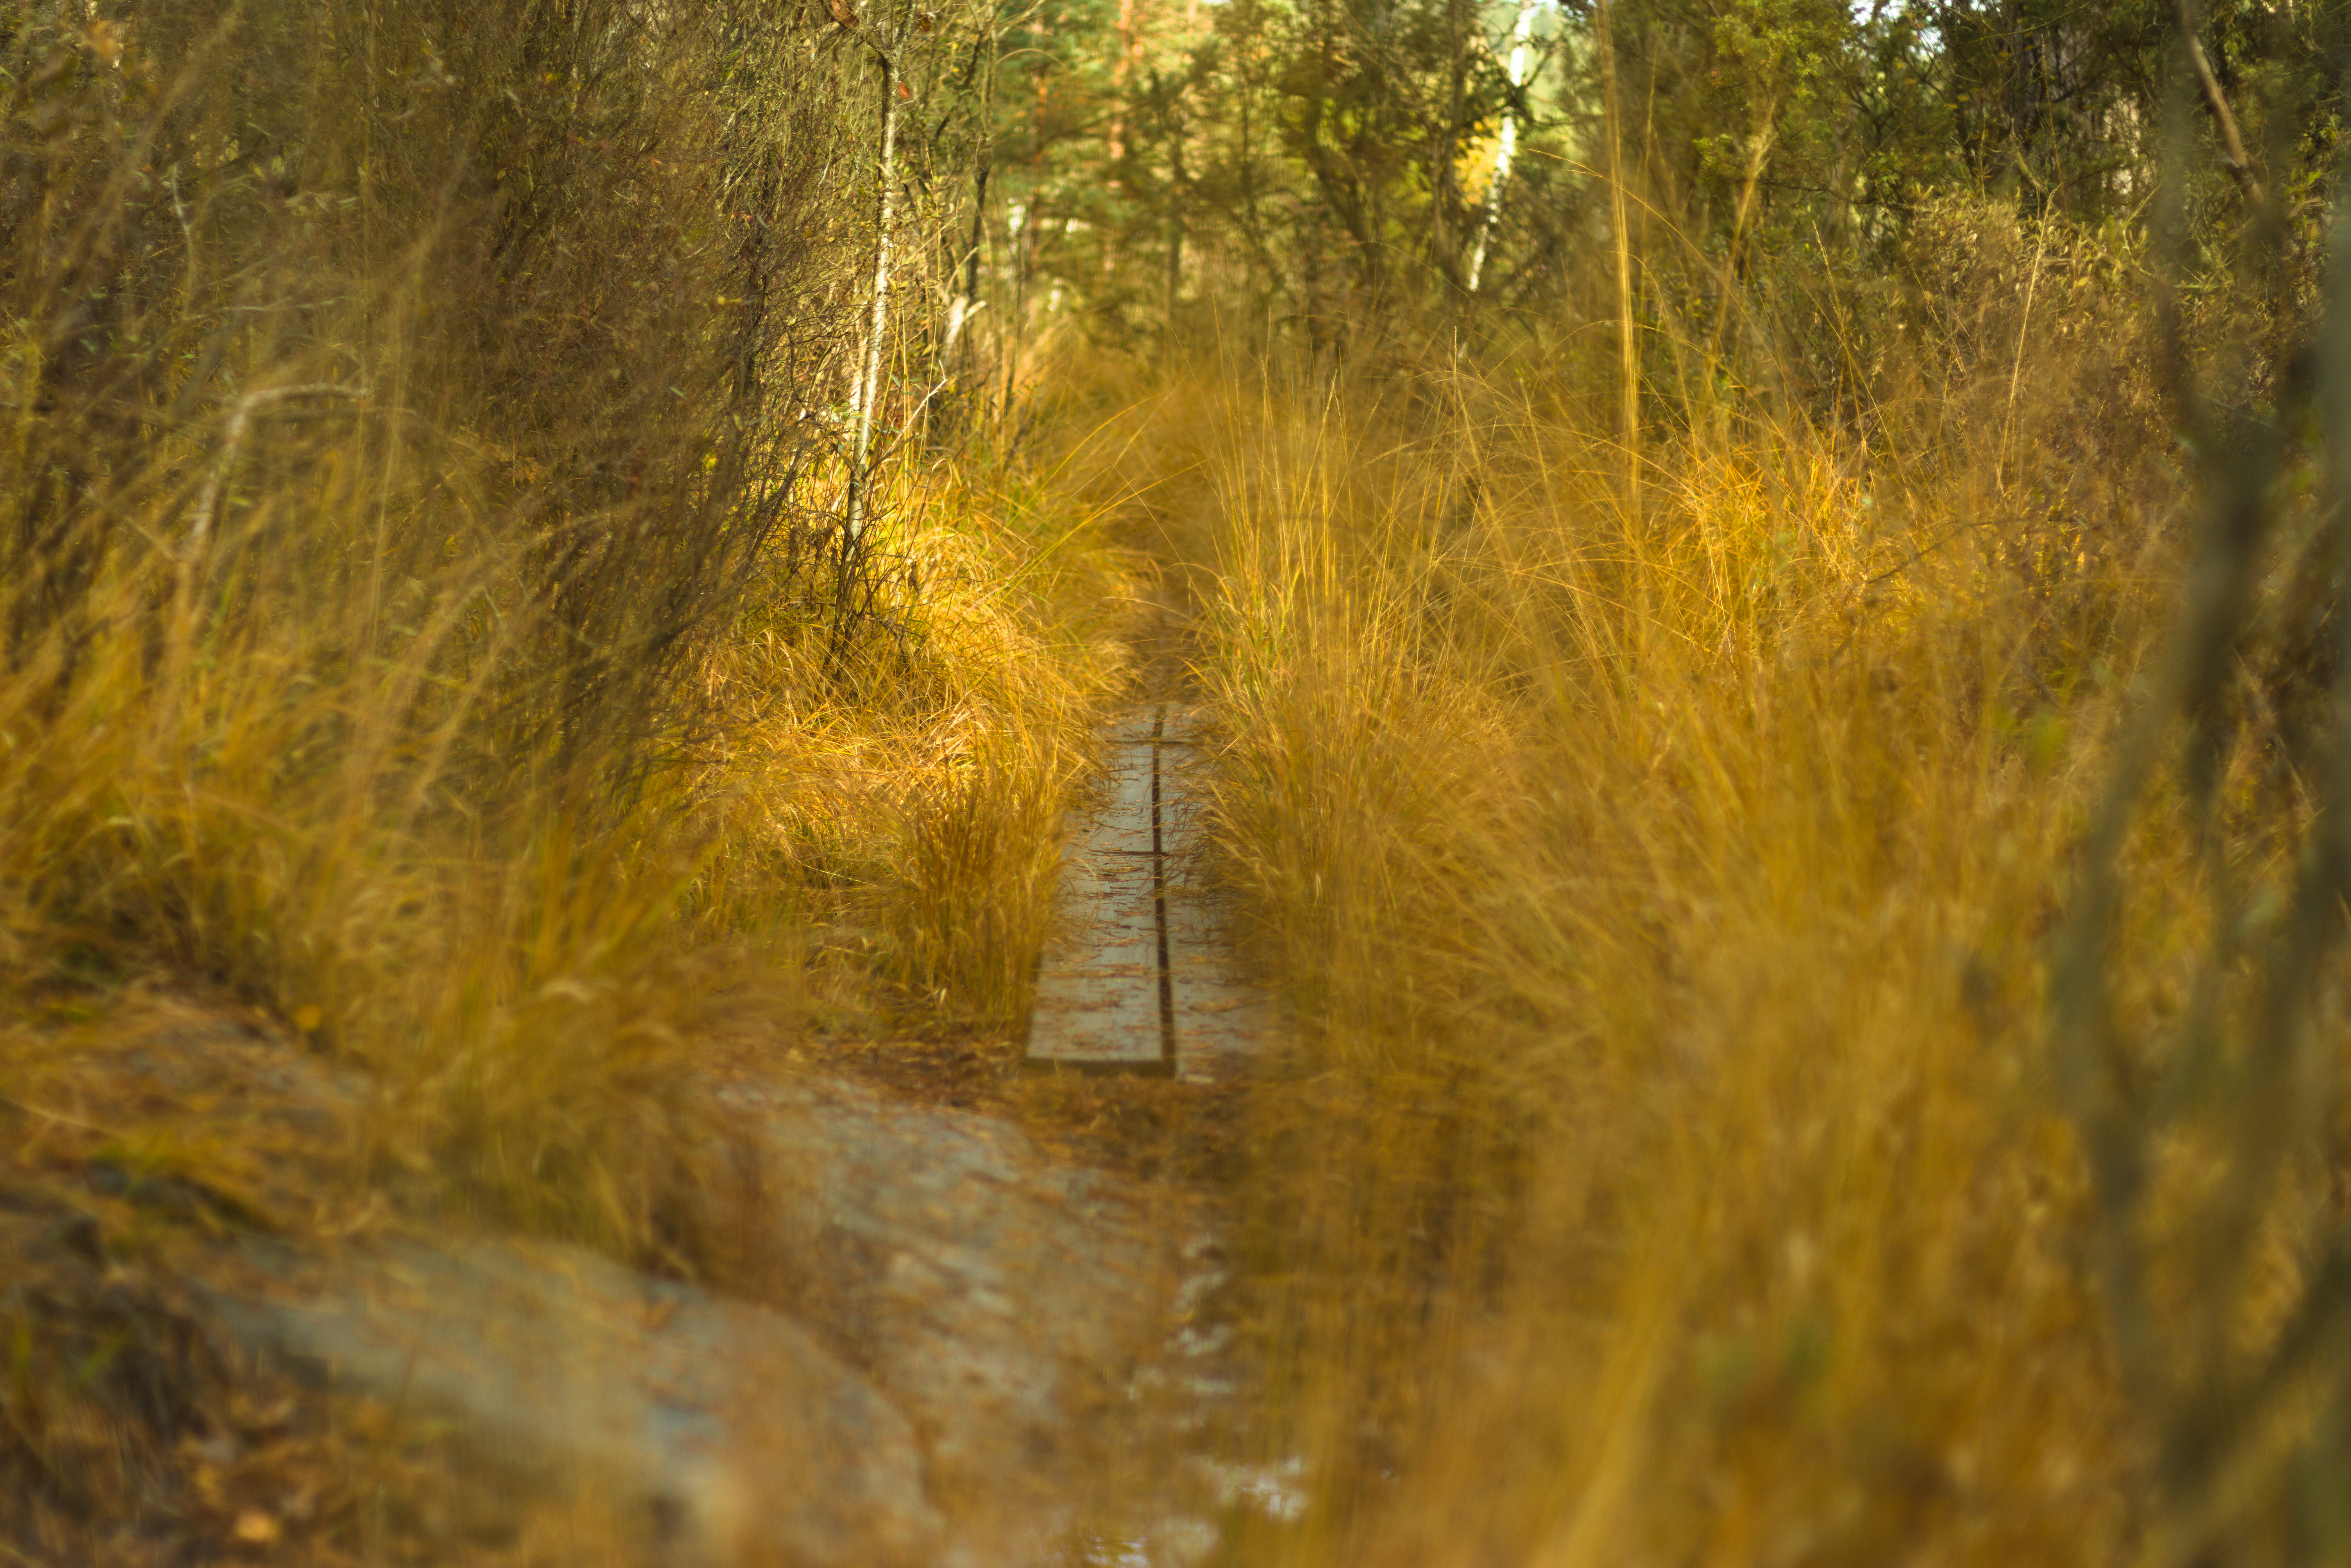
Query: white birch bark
x=869, y=384
x=1521, y=36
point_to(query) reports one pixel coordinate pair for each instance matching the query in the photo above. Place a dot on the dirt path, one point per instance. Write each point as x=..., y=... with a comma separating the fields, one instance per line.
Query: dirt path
x=1139, y=981
x=967, y=1309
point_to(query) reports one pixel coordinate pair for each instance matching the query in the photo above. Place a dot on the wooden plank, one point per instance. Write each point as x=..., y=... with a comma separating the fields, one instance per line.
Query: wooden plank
x=1098, y=1005
x=1138, y=977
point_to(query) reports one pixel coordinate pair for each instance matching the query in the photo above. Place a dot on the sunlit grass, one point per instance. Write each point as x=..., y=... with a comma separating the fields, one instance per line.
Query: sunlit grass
x=1669, y=892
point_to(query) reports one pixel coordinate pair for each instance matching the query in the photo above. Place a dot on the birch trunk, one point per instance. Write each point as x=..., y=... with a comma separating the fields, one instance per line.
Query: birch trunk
x=967, y=300
x=1521, y=36
x=1629, y=342
x=869, y=386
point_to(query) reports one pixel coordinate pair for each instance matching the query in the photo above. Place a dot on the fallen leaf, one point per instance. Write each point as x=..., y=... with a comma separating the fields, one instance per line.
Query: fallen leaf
x=256, y=1528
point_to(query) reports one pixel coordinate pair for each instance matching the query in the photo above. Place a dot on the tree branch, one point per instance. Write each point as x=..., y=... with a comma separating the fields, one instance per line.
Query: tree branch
x=2233, y=146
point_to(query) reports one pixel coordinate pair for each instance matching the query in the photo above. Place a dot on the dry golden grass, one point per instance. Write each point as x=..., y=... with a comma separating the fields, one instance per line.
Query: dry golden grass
x=422, y=618
x=868, y=852
x=1671, y=892
x=421, y=631
x=916, y=815
x=523, y=1003
x=1669, y=875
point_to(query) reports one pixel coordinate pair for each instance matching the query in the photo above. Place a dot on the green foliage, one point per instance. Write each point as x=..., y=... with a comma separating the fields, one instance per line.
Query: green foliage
x=1308, y=170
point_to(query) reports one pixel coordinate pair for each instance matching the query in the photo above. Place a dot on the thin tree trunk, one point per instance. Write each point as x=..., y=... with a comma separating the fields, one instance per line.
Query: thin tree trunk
x=959, y=314
x=869, y=390
x=1121, y=66
x=1519, y=38
x=964, y=266
x=1174, y=227
x=1759, y=152
x=2216, y=104
x=1628, y=342
x=1016, y=223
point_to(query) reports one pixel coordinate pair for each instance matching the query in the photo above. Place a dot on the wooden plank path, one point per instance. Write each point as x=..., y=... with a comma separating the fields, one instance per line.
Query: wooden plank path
x=1136, y=977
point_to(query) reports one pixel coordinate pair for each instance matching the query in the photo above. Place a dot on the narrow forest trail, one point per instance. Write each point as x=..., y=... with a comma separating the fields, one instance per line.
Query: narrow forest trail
x=1138, y=977
x=1140, y=981
x=1002, y=1329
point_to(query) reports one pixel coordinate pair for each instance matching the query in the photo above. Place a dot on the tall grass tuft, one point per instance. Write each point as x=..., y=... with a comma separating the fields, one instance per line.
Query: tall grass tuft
x=421, y=608
x=1671, y=868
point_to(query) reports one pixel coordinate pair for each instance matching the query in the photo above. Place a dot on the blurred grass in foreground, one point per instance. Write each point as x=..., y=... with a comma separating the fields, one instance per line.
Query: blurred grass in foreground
x=1672, y=862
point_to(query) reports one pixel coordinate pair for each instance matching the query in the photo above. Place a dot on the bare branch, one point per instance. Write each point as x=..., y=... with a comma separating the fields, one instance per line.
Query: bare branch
x=240, y=420
x=2232, y=145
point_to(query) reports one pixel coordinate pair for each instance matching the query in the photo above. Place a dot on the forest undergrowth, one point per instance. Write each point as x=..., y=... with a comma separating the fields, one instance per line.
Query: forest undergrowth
x=1787, y=748
x=427, y=635
x=1675, y=857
